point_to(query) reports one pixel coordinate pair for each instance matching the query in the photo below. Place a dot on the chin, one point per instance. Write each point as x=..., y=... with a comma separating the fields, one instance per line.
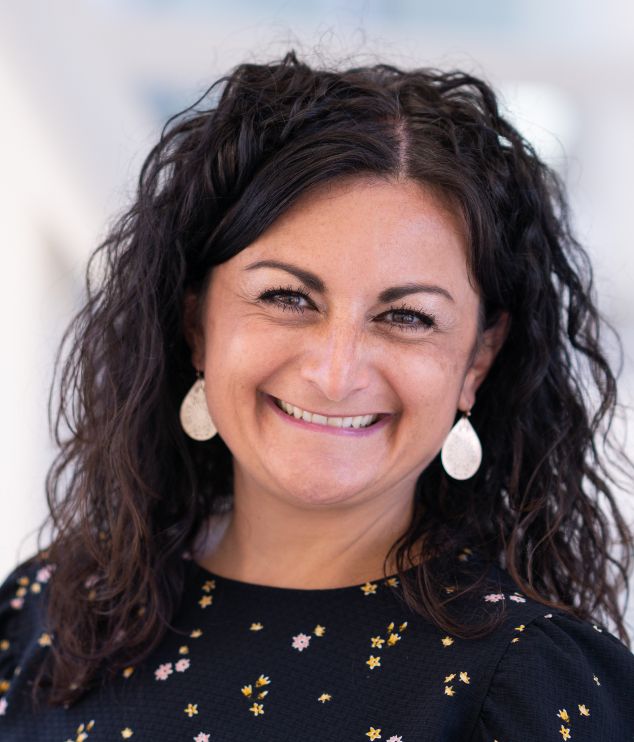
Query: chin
x=324, y=492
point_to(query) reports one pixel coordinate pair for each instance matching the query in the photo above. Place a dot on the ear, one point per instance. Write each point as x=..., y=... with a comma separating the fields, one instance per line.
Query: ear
x=192, y=329
x=490, y=343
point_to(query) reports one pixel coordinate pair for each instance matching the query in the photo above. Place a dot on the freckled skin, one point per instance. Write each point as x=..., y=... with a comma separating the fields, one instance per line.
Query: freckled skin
x=305, y=500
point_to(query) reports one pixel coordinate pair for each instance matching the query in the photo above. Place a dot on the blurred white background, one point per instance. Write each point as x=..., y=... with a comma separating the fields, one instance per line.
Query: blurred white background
x=85, y=87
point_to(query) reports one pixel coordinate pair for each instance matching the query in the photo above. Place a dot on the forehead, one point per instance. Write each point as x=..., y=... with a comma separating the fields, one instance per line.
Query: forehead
x=369, y=229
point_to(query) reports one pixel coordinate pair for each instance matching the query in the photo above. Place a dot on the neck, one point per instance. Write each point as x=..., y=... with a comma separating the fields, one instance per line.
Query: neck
x=268, y=541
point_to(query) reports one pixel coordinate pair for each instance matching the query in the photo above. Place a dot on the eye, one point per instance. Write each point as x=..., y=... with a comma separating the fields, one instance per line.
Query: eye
x=292, y=296
x=413, y=320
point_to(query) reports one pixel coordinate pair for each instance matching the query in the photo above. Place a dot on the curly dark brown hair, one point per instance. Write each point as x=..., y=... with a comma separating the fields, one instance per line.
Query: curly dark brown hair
x=128, y=490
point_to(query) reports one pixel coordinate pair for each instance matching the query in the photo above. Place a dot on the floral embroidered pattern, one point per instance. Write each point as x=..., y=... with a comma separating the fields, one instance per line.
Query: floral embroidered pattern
x=378, y=642
x=463, y=677
x=83, y=731
x=373, y=733
x=207, y=599
x=163, y=671
x=248, y=691
x=565, y=731
x=300, y=642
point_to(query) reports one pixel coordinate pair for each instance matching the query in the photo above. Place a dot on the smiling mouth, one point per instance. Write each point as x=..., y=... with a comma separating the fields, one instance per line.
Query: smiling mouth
x=357, y=421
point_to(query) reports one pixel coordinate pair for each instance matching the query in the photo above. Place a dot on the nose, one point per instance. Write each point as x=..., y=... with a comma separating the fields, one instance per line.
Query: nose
x=335, y=359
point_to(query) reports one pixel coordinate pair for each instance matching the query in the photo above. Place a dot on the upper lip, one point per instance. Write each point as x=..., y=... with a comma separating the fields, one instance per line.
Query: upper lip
x=329, y=414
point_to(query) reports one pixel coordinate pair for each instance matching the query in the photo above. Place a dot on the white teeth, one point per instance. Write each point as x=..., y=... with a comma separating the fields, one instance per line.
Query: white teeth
x=360, y=421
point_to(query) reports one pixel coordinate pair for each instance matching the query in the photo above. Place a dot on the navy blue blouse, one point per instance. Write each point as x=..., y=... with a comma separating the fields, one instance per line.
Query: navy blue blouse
x=252, y=662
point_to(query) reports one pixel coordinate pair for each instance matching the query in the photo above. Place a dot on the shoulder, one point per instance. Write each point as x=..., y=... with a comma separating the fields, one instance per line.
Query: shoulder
x=556, y=677
x=22, y=620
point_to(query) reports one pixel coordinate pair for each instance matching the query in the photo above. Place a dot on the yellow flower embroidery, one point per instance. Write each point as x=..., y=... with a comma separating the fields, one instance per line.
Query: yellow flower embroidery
x=82, y=731
x=126, y=733
x=21, y=592
x=373, y=662
x=209, y=585
x=184, y=649
x=377, y=641
x=403, y=626
x=563, y=714
x=205, y=601
x=564, y=731
x=516, y=639
x=196, y=633
x=584, y=710
x=319, y=630
x=449, y=691
x=450, y=589
x=521, y=627
x=392, y=639
x=23, y=581
x=373, y=733
x=449, y=678
x=192, y=708
x=127, y=672
x=44, y=640
x=464, y=678
x=247, y=690
x=324, y=697
x=36, y=587
x=369, y=588
x=392, y=581
x=447, y=641
x=4, y=686
x=4, y=645
x=257, y=626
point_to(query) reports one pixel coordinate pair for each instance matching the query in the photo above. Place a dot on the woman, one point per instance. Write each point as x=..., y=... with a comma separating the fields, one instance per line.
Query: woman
x=329, y=436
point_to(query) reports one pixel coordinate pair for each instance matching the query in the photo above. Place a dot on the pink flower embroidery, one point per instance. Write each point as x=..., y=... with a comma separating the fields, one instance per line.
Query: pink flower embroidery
x=182, y=665
x=3, y=706
x=517, y=598
x=17, y=603
x=44, y=574
x=394, y=738
x=91, y=581
x=163, y=671
x=202, y=737
x=494, y=597
x=301, y=641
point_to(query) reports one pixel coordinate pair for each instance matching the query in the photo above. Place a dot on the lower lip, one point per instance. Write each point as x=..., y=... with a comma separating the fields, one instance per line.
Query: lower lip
x=330, y=429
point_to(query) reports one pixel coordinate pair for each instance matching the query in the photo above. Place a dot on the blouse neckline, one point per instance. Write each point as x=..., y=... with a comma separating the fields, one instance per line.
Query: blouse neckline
x=298, y=591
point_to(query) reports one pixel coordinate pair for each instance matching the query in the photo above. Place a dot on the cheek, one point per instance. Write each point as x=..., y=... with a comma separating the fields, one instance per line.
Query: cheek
x=429, y=385
x=238, y=356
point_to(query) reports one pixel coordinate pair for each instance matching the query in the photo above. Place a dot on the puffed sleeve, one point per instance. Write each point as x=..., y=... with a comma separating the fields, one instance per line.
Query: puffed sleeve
x=560, y=678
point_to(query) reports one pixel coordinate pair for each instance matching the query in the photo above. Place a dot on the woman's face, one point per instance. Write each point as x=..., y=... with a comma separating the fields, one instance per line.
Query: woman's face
x=322, y=335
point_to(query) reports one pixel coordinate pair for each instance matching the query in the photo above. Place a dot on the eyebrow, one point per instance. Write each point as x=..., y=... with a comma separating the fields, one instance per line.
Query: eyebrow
x=312, y=280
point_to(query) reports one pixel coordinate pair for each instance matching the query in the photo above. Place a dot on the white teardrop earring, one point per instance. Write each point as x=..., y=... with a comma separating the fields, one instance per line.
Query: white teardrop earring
x=194, y=413
x=461, y=452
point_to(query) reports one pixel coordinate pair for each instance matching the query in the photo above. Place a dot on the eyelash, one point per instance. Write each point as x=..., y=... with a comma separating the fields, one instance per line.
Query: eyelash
x=268, y=297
